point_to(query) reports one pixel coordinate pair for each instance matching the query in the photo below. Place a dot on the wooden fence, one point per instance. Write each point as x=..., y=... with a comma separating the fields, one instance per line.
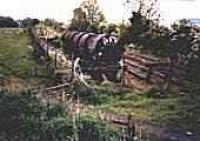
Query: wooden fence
x=60, y=94
x=152, y=70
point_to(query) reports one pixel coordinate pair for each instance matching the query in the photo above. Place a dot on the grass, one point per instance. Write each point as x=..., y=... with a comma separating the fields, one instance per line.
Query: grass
x=171, y=110
x=16, y=62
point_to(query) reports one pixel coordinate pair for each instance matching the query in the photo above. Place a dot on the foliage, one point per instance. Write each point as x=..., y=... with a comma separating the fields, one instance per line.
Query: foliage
x=180, y=44
x=146, y=33
x=147, y=8
x=143, y=21
x=79, y=21
x=53, y=23
x=102, y=29
x=28, y=22
x=22, y=117
x=112, y=29
x=7, y=22
x=93, y=13
x=185, y=47
x=87, y=17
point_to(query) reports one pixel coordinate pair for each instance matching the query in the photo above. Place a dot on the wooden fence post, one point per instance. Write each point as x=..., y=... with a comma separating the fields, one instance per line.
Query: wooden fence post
x=48, y=103
x=148, y=78
x=55, y=58
x=123, y=81
x=131, y=129
x=48, y=68
x=72, y=69
x=169, y=76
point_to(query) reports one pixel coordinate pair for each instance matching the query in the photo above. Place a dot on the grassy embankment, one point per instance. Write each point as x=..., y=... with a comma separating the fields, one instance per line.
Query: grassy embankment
x=17, y=66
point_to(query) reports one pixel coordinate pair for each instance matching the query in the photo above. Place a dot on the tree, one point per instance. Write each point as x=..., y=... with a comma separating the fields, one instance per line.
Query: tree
x=112, y=28
x=143, y=22
x=184, y=48
x=146, y=8
x=79, y=21
x=102, y=29
x=52, y=22
x=29, y=22
x=94, y=15
x=7, y=22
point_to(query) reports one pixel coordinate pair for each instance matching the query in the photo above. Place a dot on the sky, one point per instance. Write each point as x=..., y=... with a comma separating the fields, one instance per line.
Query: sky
x=62, y=10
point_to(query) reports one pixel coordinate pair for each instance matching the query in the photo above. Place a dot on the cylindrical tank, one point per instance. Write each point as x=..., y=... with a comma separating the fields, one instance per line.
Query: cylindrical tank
x=98, y=53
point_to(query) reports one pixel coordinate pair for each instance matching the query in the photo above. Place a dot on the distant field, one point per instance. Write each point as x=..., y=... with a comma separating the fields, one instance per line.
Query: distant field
x=16, y=63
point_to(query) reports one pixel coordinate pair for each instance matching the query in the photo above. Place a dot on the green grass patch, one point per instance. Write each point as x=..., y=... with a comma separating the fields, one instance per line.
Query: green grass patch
x=16, y=61
x=14, y=56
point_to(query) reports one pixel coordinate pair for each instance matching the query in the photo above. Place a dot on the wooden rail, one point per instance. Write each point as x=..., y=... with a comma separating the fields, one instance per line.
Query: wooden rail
x=153, y=71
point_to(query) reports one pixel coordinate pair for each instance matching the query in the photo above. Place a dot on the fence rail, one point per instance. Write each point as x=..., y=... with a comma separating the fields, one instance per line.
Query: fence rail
x=152, y=70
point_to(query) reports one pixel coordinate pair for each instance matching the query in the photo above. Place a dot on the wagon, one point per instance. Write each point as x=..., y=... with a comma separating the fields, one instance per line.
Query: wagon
x=99, y=54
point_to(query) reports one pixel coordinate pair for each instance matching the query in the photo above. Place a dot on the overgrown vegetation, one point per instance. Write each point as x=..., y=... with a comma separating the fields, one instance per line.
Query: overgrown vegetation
x=174, y=110
x=23, y=118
